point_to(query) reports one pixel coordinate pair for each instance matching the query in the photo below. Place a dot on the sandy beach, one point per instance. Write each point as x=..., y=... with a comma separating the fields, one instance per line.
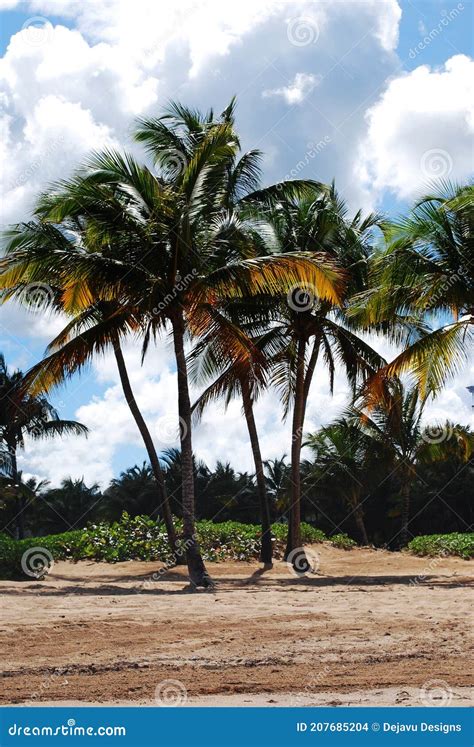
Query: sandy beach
x=371, y=627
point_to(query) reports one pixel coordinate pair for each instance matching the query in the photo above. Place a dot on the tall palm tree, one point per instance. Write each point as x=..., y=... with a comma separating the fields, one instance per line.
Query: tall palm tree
x=391, y=417
x=24, y=415
x=240, y=372
x=162, y=244
x=95, y=330
x=310, y=328
x=426, y=269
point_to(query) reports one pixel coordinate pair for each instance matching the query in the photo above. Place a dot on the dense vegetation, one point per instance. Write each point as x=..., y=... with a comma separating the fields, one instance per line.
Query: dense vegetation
x=444, y=544
x=267, y=283
x=141, y=538
x=440, y=498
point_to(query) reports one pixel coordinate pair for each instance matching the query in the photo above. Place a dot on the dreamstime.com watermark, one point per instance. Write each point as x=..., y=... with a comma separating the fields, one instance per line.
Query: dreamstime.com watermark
x=434, y=562
x=37, y=562
x=35, y=165
x=313, y=150
x=170, y=694
x=180, y=553
x=55, y=678
x=180, y=286
x=70, y=729
x=450, y=16
x=436, y=693
x=169, y=428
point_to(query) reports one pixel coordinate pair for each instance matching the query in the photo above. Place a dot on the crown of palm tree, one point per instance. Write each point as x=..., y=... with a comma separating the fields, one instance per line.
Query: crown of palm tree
x=425, y=272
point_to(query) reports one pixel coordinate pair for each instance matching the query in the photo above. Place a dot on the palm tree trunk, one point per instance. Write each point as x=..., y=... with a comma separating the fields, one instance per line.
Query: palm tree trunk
x=197, y=570
x=152, y=455
x=294, y=522
x=405, y=512
x=360, y=523
x=266, y=549
x=20, y=505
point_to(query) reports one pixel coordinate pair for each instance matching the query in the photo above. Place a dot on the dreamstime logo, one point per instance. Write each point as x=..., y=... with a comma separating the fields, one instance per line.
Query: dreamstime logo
x=38, y=31
x=314, y=149
x=36, y=562
x=180, y=285
x=36, y=163
x=436, y=693
x=301, y=297
x=167, y=431
x=173, y=162
x=302, y=562
x=302, y=31
x=430, y=36
x=437, y=433
x=436, y=163
x=36, y=296
x=315, y=681
x=170, y=694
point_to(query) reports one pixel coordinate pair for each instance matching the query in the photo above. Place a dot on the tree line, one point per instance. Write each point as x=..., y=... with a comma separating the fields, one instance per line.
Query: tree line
x=335, y=484
x=256, y=285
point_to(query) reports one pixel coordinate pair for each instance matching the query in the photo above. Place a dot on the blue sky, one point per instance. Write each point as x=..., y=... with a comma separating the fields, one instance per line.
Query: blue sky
x=374, y=93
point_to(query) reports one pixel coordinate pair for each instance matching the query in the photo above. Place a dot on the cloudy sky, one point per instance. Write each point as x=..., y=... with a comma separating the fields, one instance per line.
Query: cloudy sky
x=374, y=93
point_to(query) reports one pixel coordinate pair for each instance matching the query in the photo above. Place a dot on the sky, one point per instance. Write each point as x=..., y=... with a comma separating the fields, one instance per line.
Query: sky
x=377, y=94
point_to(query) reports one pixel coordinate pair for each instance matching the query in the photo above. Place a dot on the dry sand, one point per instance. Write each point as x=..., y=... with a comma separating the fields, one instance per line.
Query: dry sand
x=370, y=628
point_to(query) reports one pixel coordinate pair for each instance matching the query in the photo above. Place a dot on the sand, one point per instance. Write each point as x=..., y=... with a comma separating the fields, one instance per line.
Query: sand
x=370, y=628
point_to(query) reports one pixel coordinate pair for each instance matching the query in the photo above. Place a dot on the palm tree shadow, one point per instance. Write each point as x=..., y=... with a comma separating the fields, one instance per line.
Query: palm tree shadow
x=256, y=575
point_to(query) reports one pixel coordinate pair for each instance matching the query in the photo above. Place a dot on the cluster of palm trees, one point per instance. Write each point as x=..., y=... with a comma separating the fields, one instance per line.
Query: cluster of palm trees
x=254, y=284
x=385, y=437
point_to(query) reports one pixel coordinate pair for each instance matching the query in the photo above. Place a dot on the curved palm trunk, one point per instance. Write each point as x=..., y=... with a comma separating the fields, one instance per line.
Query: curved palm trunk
x=152, y=455
x=294, y=519
x=197, y=570
x=266, y=549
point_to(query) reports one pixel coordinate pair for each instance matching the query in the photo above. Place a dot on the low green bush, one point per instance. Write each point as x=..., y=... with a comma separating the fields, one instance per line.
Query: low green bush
x=141, y=538
x=456, y=543
x=342, y=541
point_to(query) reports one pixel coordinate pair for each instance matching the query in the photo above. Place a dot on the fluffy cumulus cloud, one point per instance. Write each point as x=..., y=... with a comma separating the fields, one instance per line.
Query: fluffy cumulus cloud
x=311, y=81
x=421, y=129
x=65, y=91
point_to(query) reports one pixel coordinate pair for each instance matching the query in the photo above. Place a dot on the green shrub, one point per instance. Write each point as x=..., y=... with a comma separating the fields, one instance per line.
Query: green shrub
x=141, y=538
x=342, y=541
x=456, y=543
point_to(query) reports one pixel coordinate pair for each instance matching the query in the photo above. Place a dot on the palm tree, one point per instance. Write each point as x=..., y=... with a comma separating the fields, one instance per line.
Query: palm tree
x=24, y=415
x=310, y=328
x=393, y=422
x=426, y=270
x=69, y=506
x=277, y=480
x=241, y=372
x=134, y=492
x=93, y=331
x=344, y=464
x=29, y=490
x=162, y=246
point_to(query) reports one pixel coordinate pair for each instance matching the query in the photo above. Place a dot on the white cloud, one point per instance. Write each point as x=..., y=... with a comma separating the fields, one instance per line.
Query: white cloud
x=297, y=90
x=420, y=130
x=81, y=88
